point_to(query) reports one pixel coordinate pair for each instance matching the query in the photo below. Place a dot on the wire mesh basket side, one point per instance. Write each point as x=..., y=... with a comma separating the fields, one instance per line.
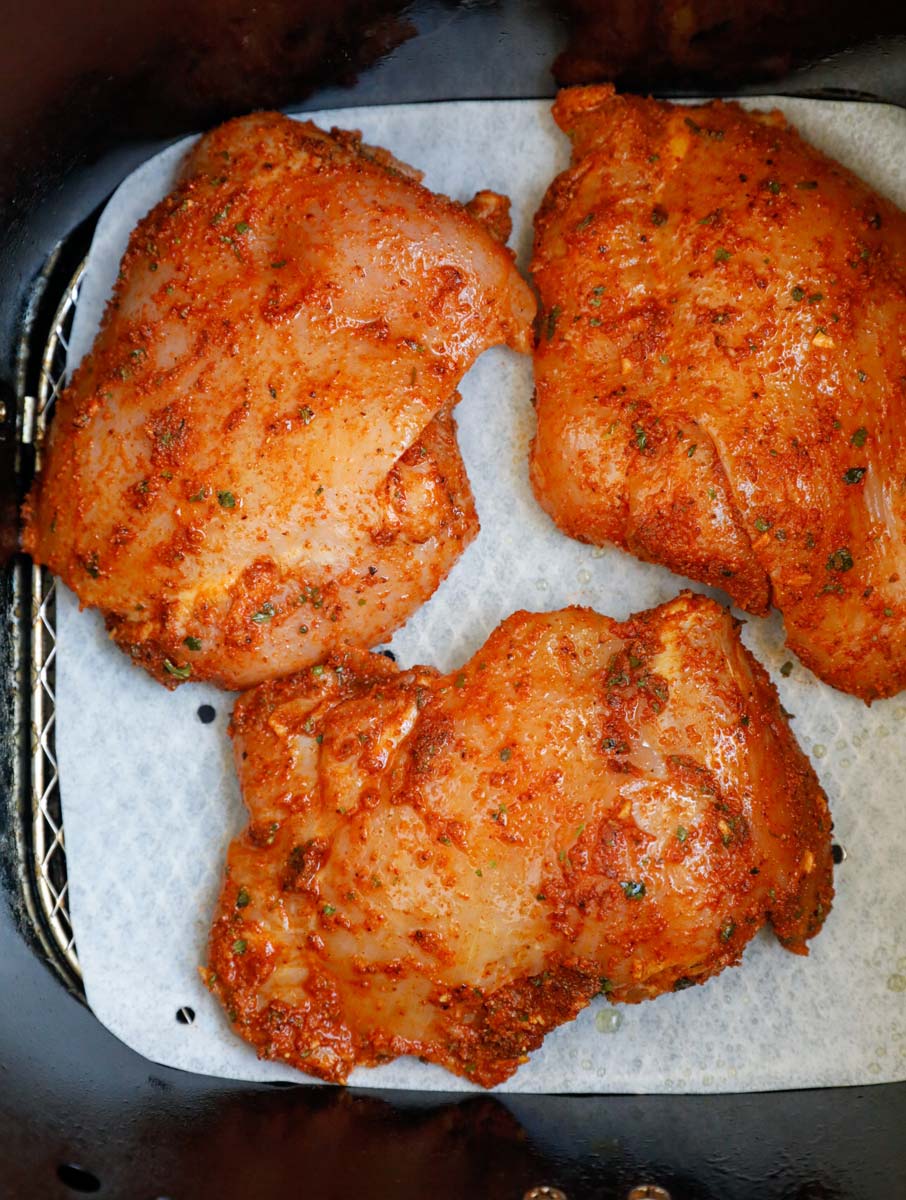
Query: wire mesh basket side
x=48, y=846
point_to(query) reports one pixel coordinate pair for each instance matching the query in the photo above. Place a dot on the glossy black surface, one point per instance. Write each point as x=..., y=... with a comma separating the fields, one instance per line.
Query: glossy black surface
x=89, y=91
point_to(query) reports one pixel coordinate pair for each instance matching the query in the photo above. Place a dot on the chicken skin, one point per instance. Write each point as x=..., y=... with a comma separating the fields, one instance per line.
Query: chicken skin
x=451, y=866
x=721, y=371
x=257, y=461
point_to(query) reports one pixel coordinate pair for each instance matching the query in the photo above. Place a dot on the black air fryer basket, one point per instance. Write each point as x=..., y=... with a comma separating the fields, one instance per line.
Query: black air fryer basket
x=88, y=92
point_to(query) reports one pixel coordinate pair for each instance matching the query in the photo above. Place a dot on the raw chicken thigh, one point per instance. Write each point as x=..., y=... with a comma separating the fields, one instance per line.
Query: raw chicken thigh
x=721, y=369
x=257, y=461
x=451, y=866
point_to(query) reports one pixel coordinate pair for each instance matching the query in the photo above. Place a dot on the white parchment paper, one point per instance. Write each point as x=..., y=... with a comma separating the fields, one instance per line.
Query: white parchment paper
x=151, y=801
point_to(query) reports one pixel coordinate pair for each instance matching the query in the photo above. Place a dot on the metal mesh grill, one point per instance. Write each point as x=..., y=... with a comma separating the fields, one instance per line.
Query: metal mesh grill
x=48, y=846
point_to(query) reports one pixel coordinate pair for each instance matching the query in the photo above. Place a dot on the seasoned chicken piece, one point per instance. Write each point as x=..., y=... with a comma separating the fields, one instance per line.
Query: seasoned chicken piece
x=257, y=461
x=451, y=866
x=720, y=369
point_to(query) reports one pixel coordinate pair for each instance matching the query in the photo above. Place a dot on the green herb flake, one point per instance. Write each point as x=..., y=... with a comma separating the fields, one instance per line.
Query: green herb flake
x=586, y=221
x=854, y=474
x=690, y=453
x=552, y=318
x=279, y=265
x=177, y=672
x=773, y=187
x=858, y=438
x=640, y=436
x=242, y=227
x=762, y=525
x=663, y=359
x=459, y=681
x=243, y=898
x=193, y=643
x=798, y=294
x=681, y=833
x=633, y=890
x=816, y=297
x=264, y=613
x=807, y=185
x=721, y=254
x=226, y=499
x=841, y=560
x=306, y=415
x=328, y=910
x=199, y=495
x=317, y=670
x=505, y=755
x=240, y=946
x=787, y=669
x=727, y=930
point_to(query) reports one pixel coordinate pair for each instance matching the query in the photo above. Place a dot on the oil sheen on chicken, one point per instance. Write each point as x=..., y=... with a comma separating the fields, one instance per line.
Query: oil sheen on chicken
x=721, y=369
x=451, y=866
x=258, y=460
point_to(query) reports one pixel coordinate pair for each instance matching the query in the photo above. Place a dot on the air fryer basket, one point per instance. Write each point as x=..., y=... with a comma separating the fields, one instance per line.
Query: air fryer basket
x=89, y=95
